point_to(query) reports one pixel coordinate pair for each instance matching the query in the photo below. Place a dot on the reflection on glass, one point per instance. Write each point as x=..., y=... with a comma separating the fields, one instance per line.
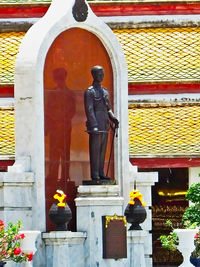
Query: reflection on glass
x=60, y=108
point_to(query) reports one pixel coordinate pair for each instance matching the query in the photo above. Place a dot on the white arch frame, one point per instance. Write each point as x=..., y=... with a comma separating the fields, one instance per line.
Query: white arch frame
x=29, y=99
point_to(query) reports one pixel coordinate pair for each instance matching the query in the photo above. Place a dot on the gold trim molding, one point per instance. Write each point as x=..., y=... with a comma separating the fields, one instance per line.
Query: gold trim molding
x=115, y=217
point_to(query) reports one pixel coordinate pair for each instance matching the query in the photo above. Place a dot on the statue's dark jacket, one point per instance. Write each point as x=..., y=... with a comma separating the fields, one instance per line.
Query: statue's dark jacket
x=97, y=105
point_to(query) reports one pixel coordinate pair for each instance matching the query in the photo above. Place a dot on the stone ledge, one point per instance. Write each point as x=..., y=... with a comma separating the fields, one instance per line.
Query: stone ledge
x=98, y=190
x=147, y=178
x=152, y=21
x=99, y=201
x=136, y=236
x=24, y=177
x=61, y=237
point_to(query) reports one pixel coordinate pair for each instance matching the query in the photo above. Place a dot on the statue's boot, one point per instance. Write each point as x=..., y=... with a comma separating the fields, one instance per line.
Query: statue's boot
x=104, y=177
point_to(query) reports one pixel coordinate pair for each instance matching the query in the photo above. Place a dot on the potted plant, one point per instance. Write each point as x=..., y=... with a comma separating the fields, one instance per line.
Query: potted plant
x=170, y=241
x=10, y=242
x=195, y=255
x=181, y=239
x=192, y=215
x=191, y=219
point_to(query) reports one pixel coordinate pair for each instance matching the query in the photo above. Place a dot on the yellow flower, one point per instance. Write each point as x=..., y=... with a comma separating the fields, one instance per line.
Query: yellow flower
x=9, y=251
x=136, y=194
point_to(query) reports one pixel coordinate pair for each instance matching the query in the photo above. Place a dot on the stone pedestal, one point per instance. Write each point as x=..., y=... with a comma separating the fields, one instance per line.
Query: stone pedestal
x=64, y=248
x=136, y=240
x=93, y=203
x=144, y=183
x=16, y=197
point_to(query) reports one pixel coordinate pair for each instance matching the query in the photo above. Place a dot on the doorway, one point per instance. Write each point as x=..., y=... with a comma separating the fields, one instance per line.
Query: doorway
x=168, y=202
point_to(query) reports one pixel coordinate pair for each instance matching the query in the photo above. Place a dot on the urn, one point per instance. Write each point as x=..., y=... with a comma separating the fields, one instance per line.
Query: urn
x=186, y=244
x=135, y=214
x=195, y=261
x=60, y=216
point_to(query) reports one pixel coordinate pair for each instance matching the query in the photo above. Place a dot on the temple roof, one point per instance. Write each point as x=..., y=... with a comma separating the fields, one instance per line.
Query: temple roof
x=9, y=45
x=152, y=54
x=7, y=131
x=153, y=131
x=161, y=54
x=164, y=131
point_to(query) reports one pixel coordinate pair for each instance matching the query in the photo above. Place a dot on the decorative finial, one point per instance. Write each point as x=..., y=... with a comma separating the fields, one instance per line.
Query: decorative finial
x=80, y=10
x=134, y=184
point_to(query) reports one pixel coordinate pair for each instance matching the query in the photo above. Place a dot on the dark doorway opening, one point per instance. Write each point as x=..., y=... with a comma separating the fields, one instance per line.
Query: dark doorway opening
x=168, y=202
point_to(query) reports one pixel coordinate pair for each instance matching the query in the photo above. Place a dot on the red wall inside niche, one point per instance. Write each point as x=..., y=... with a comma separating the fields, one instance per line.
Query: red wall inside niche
x=66, y=76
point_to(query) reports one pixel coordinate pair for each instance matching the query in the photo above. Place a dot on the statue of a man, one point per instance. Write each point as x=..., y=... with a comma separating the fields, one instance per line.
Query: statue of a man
x=99, y=114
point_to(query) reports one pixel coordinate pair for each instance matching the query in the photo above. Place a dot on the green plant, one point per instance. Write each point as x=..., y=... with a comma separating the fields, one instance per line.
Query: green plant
x=10, y=243
x=192, y=213
x=170, y=241
x=193, y=193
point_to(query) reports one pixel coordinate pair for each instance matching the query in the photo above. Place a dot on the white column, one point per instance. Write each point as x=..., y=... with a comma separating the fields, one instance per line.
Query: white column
x=193, y=174
x=136, y=241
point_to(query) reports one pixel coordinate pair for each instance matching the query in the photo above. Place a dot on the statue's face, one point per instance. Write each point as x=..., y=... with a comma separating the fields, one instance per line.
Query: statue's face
x=98, y=75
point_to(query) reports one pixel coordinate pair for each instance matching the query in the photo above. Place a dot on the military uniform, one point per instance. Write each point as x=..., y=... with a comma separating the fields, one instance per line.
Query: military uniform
x=98, y=112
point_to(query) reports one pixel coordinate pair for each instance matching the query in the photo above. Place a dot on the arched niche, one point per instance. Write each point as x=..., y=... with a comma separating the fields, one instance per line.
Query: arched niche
x=66, y=76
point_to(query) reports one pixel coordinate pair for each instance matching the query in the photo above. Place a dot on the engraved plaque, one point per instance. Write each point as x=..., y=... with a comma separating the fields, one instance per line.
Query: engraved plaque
x=114, y=237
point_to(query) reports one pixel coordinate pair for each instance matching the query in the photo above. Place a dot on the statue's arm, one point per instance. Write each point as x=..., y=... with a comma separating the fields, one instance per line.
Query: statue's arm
x=110, y=112
x=89, y=110
x=113, y=118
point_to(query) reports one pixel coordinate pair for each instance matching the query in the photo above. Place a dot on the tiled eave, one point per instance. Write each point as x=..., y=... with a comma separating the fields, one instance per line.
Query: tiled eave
x=119, y=22
x=105, y=8
x=149, y=21
x=16, y=25
x=125, y=29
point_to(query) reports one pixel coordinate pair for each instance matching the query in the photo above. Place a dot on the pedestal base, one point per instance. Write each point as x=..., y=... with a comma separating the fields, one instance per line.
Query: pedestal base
x=99, y=182
x=136, y=240
x=64, y=248
x=93, y=203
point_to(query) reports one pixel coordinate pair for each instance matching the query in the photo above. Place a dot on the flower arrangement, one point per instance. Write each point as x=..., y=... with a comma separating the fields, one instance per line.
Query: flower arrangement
x=196, y=251
x=135, y=194
x=60, y=196
x=10, y=243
